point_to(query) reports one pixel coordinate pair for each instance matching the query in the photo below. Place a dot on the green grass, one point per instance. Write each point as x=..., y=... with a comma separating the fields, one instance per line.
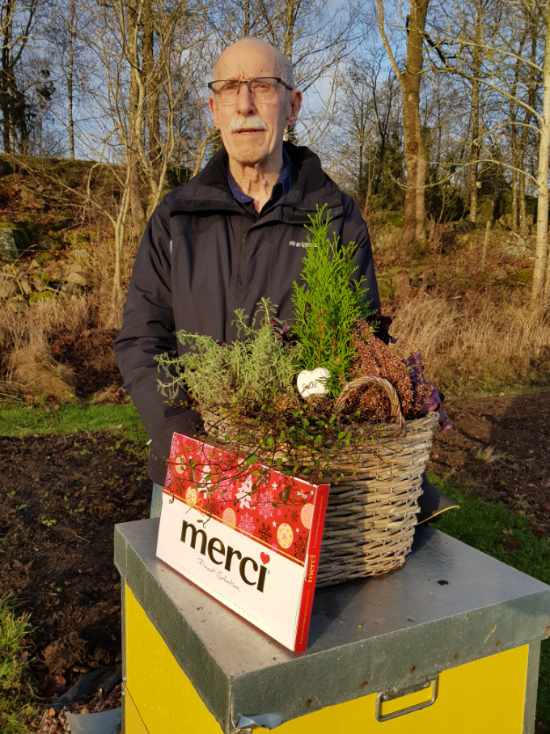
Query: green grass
x=15, y=711
x=496, y=530
x=26, y=421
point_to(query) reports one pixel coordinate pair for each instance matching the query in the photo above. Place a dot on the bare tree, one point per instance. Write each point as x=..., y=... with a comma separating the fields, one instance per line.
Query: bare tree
x=410, y=78
x=16, y=23
x=522, y=79
x=140, y=45
x=475, y=117
x=527, y=121
x=540, y=292
x=369, y=116
x=312, y=37
x=70, y=73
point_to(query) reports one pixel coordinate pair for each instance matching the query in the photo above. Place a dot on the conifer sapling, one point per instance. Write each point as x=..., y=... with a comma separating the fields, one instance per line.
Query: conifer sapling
x=328, y=301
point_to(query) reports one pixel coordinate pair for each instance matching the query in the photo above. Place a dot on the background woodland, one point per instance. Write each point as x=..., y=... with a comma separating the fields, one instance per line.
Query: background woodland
x=434, y=116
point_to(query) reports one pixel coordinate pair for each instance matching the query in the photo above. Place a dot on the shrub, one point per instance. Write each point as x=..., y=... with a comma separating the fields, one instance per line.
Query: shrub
x=328, y=301
x=249, y=375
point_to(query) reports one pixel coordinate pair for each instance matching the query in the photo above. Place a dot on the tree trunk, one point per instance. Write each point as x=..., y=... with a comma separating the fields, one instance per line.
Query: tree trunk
x=475, y=132
x=135, y=124
x=415, y=154
x=246, y=18
x=212, y=137
x=70, y=76
x=532, y=85
x=19, y=115
x=120, y=240
x=383, y=126
x=515, y=135
x=292, y=8
x=6, y=82
x=523, y=216
x=152, y=85
x=541, y=273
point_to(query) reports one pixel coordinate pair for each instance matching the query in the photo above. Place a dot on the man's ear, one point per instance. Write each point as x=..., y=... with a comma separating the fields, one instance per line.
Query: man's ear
x=295, y=104
x=212, y=108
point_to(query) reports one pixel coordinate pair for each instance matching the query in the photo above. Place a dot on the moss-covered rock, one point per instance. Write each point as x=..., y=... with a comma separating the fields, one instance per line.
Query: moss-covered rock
x=6, y=166
x=14, y=239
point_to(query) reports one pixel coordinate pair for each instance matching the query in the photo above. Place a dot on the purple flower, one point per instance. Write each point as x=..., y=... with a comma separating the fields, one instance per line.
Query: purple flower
x=433, y=401
x=416, y=368
x=445, y=423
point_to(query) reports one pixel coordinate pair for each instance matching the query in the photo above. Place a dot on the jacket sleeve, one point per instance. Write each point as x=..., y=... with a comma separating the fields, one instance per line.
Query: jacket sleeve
x=148, y=330
x=355, y=229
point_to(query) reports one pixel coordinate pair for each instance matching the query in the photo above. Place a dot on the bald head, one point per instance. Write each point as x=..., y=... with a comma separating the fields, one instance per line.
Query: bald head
x=252, y=119
x=245, y=48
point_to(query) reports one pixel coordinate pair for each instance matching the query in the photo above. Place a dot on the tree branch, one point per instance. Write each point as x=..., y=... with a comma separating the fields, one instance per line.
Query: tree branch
x=382, y=30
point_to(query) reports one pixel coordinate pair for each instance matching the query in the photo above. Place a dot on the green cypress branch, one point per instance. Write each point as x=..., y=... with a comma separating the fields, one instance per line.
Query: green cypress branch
x=328, y=302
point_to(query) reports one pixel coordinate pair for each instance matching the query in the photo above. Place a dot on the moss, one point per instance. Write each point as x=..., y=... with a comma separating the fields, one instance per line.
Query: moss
x=13, y=240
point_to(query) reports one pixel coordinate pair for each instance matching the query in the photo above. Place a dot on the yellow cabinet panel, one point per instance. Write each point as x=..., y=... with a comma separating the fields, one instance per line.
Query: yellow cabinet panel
x=163, y=694
x=486, y=696
x=132, y=720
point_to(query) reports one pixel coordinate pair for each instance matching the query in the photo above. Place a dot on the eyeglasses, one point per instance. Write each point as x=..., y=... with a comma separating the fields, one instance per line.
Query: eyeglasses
x=262, y=88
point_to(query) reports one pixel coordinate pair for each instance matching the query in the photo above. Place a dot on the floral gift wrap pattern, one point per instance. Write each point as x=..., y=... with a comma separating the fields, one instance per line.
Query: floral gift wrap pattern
x=274, y=509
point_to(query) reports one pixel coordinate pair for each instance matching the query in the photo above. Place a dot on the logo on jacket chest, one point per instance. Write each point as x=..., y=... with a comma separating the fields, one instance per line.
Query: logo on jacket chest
x=295, y=243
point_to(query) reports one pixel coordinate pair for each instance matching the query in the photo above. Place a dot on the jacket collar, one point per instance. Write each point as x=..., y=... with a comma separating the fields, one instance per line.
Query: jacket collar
x=209, y=191
x=283, y=184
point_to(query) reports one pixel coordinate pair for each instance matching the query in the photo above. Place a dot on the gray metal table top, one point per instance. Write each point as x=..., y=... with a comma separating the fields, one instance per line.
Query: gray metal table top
x=448, y=605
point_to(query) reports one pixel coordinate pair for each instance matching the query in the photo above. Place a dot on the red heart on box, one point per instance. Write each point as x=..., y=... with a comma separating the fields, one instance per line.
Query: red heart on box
x=264, y=557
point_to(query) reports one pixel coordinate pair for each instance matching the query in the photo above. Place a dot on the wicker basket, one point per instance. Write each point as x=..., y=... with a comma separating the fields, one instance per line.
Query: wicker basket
x=373, y=503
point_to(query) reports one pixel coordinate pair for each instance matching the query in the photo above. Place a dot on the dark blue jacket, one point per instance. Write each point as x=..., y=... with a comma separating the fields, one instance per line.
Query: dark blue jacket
x=203, y=255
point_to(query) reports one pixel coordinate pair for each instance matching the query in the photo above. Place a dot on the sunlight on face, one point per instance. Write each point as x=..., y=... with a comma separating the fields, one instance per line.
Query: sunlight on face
x=252, y=129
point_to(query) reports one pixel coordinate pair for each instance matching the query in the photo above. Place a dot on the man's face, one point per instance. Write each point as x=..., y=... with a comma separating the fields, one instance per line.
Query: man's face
x=252, y=128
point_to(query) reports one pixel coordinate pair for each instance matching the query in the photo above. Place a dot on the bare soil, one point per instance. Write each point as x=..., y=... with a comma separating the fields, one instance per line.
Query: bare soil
x=499, y=449
x=63, y=494
x=61, y=497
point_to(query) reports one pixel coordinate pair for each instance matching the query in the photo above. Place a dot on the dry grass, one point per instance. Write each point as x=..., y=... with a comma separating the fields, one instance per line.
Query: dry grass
x=481, y=345
x=25, y=331
x=467, y=345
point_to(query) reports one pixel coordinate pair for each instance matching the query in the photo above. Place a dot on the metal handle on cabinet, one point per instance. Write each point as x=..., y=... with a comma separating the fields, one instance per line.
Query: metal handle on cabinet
x=245, y=724
x=382, y=698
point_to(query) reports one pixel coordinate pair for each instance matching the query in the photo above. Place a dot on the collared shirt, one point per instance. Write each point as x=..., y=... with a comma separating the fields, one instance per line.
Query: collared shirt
x=284, y=182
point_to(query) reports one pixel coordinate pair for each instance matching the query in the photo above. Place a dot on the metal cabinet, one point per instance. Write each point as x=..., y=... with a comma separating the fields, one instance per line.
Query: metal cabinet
x=449, y=643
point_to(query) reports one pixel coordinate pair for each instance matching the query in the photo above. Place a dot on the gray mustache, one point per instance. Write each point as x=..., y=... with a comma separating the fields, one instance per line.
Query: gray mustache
x=248, y=123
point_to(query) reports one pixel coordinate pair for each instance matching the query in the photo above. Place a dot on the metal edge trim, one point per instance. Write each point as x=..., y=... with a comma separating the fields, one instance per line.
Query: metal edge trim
x=531, y=687
x=119, y=555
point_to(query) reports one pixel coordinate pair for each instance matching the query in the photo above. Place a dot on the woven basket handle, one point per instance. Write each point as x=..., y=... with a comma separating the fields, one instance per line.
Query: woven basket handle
x=389, y=389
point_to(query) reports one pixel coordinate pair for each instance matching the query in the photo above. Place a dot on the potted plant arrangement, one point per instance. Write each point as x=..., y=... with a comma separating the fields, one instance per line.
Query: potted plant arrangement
x=325, y=399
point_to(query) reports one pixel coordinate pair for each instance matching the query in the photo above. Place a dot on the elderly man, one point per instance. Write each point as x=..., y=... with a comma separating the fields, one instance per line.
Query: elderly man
x=233, y=234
